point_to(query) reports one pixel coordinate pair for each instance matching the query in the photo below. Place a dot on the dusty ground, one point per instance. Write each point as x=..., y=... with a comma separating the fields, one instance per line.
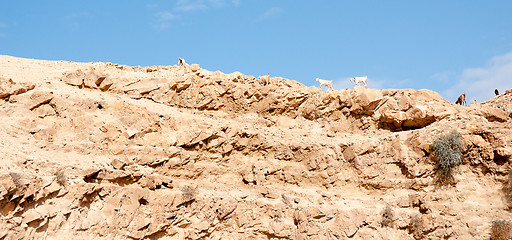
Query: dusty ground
x=105, y=151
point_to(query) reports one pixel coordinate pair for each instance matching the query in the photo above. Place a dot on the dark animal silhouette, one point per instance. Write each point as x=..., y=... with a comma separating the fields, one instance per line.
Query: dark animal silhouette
x=496, y=92
x=461, y=100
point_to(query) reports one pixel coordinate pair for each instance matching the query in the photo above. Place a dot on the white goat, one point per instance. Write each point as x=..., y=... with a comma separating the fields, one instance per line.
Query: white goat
x=326, y=83
x=266, y=79
x=358, y=80
x=181, y=62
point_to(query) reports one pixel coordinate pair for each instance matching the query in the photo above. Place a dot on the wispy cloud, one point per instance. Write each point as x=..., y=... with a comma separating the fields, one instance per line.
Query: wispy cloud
x=74, y=20
x=194, y=5
x=3, y=25
x=444, y=76
x=152, y=5
x=164, y=20
x=479, y=83
x=187, y=6
x=270, y=13
x=165, y=16
x=342, y=83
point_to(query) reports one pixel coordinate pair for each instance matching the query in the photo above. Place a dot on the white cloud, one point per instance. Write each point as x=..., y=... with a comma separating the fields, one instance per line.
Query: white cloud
x=164, y=20
x=74, y=21
x=342, y=83
x=152, y=5
x=270, y=13
x=187, y=6
x=194, y=5
x=444, y=76
x=479, y=83
x=161, y=25
x=3, y=25
x=165, y=16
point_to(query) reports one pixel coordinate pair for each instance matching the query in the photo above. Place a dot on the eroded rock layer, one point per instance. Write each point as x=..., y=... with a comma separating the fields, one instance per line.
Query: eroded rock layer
x=105, y=151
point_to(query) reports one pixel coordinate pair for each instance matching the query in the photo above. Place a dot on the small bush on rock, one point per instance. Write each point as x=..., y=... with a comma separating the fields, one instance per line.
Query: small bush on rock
x=17, y=179
x=416, y=227
x=447, y=150
x=387, y=216
x=501, y=230
x=61, y=178
x=510, y=179
x=507, y=188
x=188, y=193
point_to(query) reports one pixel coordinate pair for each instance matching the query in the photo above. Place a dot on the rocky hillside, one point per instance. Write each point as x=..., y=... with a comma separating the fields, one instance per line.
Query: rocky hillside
x=106, y=151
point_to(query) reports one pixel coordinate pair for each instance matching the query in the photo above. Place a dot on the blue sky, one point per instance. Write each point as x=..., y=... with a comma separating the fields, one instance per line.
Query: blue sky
x=448, y=46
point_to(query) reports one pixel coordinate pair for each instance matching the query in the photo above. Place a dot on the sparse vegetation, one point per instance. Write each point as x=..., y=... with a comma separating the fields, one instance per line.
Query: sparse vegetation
x=416, y=226
x=17, y=179
x=387, y=216
x=189, y=193
x=501, y=230
x=510, y=179
x=61, y=178
x=507, y=187
x=447, y=151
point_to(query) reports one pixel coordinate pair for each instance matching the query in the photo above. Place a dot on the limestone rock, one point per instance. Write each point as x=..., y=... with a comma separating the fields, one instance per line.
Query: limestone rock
x=194, y=67
x=492, y=114
x=8, y=87
x=105, y=151
x=32, y=100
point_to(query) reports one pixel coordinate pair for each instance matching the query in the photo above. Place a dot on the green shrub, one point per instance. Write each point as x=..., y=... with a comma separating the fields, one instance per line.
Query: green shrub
x=447, y=150
x=501, y=230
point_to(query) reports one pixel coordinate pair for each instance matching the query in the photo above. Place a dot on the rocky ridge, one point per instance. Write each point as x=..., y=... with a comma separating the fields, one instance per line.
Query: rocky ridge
x=106, y=151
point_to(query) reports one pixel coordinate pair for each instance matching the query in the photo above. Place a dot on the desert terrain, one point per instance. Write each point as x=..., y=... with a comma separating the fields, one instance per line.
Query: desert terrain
x=107, y=151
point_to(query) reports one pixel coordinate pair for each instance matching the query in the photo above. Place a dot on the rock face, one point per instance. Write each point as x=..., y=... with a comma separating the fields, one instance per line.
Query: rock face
x=105, y=151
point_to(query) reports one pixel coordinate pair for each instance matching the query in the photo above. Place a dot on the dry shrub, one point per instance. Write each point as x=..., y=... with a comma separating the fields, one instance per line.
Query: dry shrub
x=507, y=188
x=61, y=178
x=416, y=226
x=510, y=180
x=387, y=216
x=447, y=151
x=17, y=179
x=189, y=194
x=510, y=177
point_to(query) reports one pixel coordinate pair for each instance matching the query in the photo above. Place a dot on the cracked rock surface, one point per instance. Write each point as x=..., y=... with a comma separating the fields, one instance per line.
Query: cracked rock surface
x=107, y=151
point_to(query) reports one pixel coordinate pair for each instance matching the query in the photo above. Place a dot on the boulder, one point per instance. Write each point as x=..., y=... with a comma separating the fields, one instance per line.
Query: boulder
x=74, y=78
x=490, y=113
x=8, y=87
x=427, y=95
x=194, y=67
x=33, y=99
